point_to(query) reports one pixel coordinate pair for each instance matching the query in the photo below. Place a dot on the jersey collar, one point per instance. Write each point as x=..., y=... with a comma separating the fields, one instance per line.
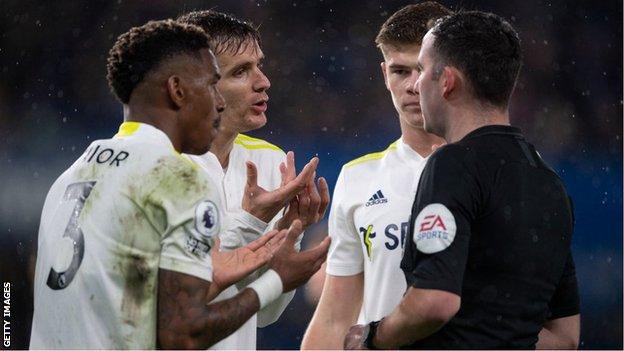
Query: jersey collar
x=494, y=129
x=142, y=130
x=407, y=153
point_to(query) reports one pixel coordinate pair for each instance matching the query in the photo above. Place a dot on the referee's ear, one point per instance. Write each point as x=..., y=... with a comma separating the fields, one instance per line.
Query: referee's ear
x=451, y=80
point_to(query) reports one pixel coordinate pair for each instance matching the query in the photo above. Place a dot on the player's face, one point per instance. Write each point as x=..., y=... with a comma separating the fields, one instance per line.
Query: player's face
x=429, y=89
x=244, y=88
x=400, y=75
x=201, y=120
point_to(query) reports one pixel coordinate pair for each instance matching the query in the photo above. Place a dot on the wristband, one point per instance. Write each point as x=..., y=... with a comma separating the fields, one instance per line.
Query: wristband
x=372, y=330
x=268, y=287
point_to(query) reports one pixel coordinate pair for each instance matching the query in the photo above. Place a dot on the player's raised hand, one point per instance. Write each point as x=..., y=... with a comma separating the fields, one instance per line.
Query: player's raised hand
x=293, y=267
x=309, y=205
x=228, y=267
x=264, y=204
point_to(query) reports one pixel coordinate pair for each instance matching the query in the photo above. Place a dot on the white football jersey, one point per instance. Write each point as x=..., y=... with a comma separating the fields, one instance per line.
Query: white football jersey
x=232, y=180
x=368, y=222
x=127, y=207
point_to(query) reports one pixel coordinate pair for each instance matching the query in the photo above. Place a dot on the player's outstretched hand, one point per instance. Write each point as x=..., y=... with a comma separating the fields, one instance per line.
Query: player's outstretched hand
x=354, y=340
x=293, y=267
x=228, y=267
x=264, y=204
x=310, y=204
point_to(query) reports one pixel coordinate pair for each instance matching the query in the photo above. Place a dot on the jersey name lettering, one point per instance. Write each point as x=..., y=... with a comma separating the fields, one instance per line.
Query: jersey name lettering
x=105, y=155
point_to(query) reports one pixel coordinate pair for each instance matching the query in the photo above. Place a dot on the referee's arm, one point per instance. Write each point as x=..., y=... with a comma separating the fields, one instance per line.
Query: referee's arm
x=435, y=278
x=420, y=313
x=560, y=334
x=563, y=328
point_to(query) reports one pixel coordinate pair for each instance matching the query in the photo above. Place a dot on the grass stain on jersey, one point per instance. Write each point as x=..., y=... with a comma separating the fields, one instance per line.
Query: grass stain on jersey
x=155, y=193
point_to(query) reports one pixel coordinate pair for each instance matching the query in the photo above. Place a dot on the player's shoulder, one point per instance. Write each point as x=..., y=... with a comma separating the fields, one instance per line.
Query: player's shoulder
x=258, y=149
x=371, y=160
x=251, y=143
x=153, y=159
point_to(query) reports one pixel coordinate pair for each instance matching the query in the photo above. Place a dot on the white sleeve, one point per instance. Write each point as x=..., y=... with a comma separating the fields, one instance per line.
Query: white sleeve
x=345, y=255
x=186, y=244
x=241, y=229
x=271, y=312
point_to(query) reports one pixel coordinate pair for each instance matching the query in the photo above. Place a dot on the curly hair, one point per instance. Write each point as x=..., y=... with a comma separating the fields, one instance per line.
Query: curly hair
x=143, y=48
x=485, y=47
x=410, y=24
x=227, y=33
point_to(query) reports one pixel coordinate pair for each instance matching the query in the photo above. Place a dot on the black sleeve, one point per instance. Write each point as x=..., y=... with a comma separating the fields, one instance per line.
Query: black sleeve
x=565, y=302
x=445, y=205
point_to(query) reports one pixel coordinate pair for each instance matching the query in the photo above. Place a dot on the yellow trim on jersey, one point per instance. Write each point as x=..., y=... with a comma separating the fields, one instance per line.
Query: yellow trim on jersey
x=373, y=156
x=254, y=143
x=127, y=129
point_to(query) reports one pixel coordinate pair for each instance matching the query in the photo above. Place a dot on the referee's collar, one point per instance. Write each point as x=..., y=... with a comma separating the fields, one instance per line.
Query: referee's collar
x=494, y=129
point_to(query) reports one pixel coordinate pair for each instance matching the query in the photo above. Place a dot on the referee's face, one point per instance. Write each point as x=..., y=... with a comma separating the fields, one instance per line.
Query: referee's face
x=400, y=75
x=428, y=88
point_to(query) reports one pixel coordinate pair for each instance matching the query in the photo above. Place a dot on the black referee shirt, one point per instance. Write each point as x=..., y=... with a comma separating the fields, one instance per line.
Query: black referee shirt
x=492, y=223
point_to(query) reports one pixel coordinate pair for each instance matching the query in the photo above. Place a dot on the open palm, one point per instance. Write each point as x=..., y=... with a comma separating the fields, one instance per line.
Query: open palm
x=231, y=266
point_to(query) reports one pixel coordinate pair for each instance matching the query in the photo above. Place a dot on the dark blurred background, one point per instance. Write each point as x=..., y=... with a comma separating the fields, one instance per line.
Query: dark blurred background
x=327, y=98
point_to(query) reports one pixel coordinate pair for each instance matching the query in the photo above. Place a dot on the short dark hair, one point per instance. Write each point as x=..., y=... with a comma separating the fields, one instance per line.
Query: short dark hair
x=143, y=48
x=485, y=48
x=410, y=24
x=227, y=33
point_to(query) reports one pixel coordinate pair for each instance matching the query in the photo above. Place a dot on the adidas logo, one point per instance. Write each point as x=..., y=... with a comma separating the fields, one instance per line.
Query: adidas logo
x=376, y=199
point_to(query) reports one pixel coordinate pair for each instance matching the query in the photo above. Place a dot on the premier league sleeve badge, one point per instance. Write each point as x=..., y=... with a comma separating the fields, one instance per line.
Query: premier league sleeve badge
x=207, y=220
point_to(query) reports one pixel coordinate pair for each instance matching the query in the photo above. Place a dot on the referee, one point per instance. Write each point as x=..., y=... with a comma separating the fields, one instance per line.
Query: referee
x=489, y=262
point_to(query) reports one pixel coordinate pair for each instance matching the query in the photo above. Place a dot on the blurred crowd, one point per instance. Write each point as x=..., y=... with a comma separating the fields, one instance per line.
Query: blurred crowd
x=327, y=98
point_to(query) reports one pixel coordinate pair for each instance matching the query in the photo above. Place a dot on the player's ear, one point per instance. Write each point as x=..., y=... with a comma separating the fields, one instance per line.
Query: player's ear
x=175, y=90
x=385, y=75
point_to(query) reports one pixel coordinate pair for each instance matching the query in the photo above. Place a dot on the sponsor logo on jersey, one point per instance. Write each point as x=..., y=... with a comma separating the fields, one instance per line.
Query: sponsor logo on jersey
x=207, y=219
x=367, y=234
x=376, y=199
x=393, y=237
x=435, y=229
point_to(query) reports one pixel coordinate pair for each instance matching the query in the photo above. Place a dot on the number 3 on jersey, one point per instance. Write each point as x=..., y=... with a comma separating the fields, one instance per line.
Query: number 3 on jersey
x=78, y=192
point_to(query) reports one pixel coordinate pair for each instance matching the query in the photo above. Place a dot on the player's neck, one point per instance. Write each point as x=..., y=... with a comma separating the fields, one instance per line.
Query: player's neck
x=222, y=146
x=419, y=140
x=466, y=120
x=156, y=117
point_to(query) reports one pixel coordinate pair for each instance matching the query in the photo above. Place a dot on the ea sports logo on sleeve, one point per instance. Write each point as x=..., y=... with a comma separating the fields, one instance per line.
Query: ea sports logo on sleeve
x=434, y=229
x=207, y=219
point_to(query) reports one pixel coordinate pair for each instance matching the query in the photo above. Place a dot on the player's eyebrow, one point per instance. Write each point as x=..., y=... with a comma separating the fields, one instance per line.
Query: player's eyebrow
x=246, y=64
x=399, y=66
